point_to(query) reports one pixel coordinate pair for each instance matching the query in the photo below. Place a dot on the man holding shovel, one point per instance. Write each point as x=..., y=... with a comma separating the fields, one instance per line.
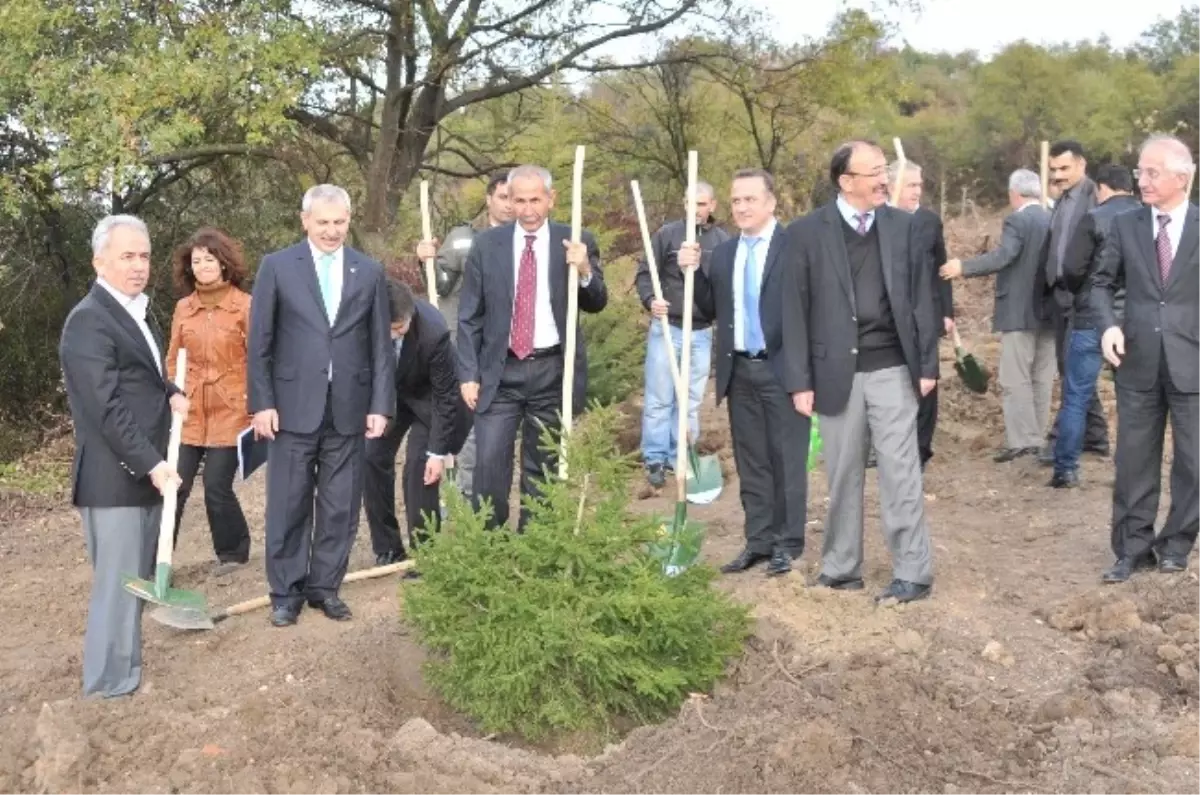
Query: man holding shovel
x=121, y=403
x=659, y=412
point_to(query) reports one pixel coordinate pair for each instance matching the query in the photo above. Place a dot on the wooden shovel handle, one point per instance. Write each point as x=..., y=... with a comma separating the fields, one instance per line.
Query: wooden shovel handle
x=259, y=602
x=568, y=403
x=427, y=233
x=685, y=355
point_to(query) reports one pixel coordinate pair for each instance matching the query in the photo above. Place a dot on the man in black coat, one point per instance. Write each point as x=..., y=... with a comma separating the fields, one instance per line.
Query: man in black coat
x=430, y=409
x=121, y=404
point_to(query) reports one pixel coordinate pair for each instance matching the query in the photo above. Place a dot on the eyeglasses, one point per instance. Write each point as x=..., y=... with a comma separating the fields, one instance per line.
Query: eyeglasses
x=876, y=174
x=1151, y=174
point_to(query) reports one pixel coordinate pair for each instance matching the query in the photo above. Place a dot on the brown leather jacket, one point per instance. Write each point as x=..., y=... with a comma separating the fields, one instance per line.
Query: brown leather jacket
x=215, y=340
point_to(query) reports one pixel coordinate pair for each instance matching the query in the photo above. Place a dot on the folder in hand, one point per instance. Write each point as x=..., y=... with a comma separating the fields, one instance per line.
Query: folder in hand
x=252, y=453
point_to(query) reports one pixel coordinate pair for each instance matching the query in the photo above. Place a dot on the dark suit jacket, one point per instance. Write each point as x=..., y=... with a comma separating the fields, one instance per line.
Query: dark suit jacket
x=819, y=344
x=292, y=344
x=714, y=292
x=119, y=404
x=1083, y=255
x=485, y=307
x=1159, y=320
x=1017, y=263
x=931, y=238
x=427, y=381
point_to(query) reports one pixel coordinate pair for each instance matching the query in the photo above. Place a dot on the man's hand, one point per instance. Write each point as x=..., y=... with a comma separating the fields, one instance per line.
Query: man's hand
x=434, y=466
x=1113, y=345
x=948, y=324
x=180, y=404
x=659, y=308
x=577, y=258
x=470, y=393
x=266, y=424
x=803, y=402
x=951, y=270
x=927, y=385
x=163, y=477
x=427, y=249
x=376, y=425
x=688, y=257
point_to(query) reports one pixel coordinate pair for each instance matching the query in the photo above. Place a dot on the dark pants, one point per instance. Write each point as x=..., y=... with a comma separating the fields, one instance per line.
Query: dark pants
x=306, y=558
x=230, y=534
x=1084, y=361
x=379, y=495
x=1141, y=425
x=927, y=413
x=770, y=448
x=1096, y=427
x=529, y=396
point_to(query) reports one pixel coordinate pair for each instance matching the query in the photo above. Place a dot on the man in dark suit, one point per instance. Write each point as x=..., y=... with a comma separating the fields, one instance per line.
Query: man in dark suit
x=321, y=373
x=1026, y=339
x=928, y=237
x=430, y=410
x=121, y=404
x=859, y=346
x=1153, y=252
x=1114, y=189
x=770, y=440
x=1075, y=197
x=511, y=334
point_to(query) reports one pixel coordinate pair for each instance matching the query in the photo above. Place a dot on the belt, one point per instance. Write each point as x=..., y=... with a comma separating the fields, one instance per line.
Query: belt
x=539, y=353
x=759, y=356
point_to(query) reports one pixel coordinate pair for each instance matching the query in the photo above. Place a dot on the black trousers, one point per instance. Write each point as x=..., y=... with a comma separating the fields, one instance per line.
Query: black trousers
x=379, y=495
x=226, y=522
x=770, y=448
x=927, y=413
x=307, y=557
x=1142, y=417
x=529, y=397
x=1096, y=432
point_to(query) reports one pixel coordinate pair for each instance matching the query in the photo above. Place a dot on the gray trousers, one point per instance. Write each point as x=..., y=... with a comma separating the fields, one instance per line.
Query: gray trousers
x=881, y=411
x=1027, y=367
x=119, y=541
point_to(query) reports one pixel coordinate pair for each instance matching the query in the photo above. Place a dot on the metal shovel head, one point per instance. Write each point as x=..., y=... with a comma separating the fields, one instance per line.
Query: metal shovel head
x=972, y=373
x=678, y=544
x=704, y=479
x=165, y=596
x=183, y=617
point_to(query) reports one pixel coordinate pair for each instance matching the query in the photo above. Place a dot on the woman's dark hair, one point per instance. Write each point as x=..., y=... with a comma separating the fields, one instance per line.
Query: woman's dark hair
x=227, y=251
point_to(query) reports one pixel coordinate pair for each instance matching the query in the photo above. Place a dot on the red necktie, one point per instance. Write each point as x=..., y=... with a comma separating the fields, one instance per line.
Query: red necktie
x=1163, y=245
x=524, y=307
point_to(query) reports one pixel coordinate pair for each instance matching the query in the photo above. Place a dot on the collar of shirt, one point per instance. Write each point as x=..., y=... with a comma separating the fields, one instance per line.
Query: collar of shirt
x=764, y=237
x=1178, y=215
x=318, y=253
x=542, y=233
x=851, y=214
x=1029, y=203
x=135, y=306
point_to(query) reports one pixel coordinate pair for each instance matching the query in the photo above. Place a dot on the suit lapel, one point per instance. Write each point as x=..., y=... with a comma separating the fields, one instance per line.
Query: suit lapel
x=835, y=247
x=308, y=275
x=722, y=277
x=506, y=273
x=129, y=326
x=557, y=270
x=1187, y=244
x=350, y=267
x=772, y=253
x=883, y=229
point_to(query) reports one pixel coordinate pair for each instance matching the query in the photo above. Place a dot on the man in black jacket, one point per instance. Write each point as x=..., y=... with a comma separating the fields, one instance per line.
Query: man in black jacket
x=659, y=419
x=121, y=404
x=430, y=409
x=1114, y=189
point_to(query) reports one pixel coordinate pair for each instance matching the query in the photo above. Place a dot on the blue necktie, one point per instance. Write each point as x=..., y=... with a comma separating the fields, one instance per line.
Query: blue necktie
x=752, y=329
x=398, y=346
x=325, y=277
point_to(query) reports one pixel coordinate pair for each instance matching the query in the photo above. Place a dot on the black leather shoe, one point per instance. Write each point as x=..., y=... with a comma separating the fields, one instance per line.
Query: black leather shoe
x=746, y=560
x=388, y=558
x=904, y=591
x=332, y=607
x=284, y=615
x=1124, y=568
x=781, y=563
x=1065, y=480
x=852, y=584
x=656, y=475
x=1007, y=454
x=1172, y=564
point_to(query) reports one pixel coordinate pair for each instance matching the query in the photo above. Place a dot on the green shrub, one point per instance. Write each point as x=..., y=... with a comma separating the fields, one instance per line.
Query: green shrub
x=572, y=623
x=616, y=338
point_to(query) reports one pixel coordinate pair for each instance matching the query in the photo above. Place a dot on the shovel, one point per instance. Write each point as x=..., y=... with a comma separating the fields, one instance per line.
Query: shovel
x=968, y=368
x=704, y=478
x=568, y=395
x=159, y=591
x=427, y=231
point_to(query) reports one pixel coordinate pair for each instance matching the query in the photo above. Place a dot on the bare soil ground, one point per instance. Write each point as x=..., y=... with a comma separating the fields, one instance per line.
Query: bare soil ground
x=1022, y=673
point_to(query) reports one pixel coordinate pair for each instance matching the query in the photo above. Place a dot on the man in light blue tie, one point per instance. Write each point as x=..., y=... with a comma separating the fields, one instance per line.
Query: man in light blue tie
x=770, y=439
x=321, y=378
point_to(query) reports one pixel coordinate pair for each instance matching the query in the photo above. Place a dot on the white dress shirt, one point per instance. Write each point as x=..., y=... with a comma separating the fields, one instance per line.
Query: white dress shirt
x=1174, y=228
x=136, y=307
x=851, y=214
x=739, y=280
x=545, y=330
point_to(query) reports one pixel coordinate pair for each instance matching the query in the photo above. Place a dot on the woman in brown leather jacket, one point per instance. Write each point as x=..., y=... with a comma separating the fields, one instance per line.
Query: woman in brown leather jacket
x=212, y=322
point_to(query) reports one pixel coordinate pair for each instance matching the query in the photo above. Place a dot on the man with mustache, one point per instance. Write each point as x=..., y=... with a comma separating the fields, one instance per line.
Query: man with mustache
x=321, y=373
x=859, y=347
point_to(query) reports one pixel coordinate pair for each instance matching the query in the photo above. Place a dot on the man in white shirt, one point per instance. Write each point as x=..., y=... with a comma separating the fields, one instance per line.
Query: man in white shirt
x=1152, y=251
x=511, y=329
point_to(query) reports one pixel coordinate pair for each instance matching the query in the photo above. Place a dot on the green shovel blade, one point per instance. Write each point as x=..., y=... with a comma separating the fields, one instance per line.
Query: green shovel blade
x=160, y=593
x=678, y=544
x=704, y=480
x=971, y=372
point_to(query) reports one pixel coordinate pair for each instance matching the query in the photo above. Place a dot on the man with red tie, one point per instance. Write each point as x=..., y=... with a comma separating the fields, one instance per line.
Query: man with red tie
x=511, y=332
